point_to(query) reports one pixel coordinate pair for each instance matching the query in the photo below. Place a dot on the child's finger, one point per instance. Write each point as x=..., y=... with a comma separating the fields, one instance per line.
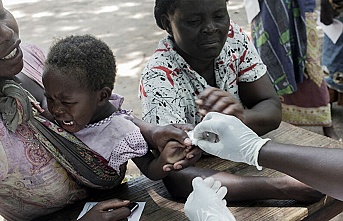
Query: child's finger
x=168, y=167
x=195, y=152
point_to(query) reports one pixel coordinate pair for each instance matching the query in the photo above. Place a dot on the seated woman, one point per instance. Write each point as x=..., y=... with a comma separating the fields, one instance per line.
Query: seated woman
x=207, y=63
x=32, y=182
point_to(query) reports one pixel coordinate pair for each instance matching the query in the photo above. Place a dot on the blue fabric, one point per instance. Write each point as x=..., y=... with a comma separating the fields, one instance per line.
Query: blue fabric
x=309, y=5
x=279, y=34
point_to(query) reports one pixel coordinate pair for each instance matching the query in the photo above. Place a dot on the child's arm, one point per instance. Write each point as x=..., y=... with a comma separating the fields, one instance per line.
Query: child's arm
x=158, y=136
x=153, y=166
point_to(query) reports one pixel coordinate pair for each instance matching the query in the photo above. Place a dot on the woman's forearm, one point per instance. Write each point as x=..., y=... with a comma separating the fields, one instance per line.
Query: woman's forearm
x=264, y=117
x=320, y=168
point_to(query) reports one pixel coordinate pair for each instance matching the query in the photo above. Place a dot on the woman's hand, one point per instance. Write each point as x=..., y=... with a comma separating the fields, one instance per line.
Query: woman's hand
x=158, y=136
x=192, y=157
x=177, y=132
x=216, y=100
x=109, y=210
x=161, y=135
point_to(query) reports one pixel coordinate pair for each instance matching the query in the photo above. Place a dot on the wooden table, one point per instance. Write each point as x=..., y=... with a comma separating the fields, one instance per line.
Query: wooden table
x=159, y=206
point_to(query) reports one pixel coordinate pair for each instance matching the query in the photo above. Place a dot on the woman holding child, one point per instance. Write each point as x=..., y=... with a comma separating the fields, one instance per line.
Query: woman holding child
x=36, y=180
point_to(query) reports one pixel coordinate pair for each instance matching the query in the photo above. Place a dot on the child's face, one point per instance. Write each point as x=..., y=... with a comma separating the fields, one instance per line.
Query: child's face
x=72, y=106
x=11, y=56
x=200, y=28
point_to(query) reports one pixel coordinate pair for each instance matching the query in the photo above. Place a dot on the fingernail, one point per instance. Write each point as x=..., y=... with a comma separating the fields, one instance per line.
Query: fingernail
x=187, y=140
x=202, y=112
x=198, y=100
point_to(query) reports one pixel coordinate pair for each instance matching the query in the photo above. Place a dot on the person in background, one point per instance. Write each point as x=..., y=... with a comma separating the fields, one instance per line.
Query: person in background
x=207, y=63
x=284, y=34
x=332, y=54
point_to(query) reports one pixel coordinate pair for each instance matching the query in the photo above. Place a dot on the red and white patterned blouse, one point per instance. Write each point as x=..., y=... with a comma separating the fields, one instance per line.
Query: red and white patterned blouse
x=169, y=86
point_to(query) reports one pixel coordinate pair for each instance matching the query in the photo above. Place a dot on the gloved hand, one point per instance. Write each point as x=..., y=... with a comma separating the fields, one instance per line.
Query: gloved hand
x=237, y=142
x=206, y=202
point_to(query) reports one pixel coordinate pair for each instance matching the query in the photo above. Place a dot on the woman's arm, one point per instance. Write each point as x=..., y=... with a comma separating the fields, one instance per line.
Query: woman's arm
x=158, y=136
x=321, y=168
x=263, y=113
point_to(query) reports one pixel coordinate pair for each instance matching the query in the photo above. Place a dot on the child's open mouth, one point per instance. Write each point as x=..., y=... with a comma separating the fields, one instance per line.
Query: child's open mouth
x=68, y=123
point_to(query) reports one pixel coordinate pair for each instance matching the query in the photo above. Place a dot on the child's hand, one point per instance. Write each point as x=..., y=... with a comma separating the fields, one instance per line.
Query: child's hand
x=173, y=152
x=163, y=134
x=178, y=157
x=192, y=156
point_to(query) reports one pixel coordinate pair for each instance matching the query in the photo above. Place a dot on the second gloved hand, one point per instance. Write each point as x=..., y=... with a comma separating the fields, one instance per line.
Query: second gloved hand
x=237, y=142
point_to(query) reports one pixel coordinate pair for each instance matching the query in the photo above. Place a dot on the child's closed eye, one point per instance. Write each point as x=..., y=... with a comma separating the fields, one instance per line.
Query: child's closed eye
x=68, y=103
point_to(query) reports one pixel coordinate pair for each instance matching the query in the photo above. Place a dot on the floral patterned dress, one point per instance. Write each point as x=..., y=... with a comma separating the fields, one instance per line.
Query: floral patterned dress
x=32, y=183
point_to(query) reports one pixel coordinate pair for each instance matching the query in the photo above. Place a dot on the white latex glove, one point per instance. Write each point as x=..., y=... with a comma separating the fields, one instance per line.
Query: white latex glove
x=237, y=142
x=206, y=202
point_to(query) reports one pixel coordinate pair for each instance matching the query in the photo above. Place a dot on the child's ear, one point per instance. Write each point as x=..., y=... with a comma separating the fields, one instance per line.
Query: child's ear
x=104, y=95
x=166, y=24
